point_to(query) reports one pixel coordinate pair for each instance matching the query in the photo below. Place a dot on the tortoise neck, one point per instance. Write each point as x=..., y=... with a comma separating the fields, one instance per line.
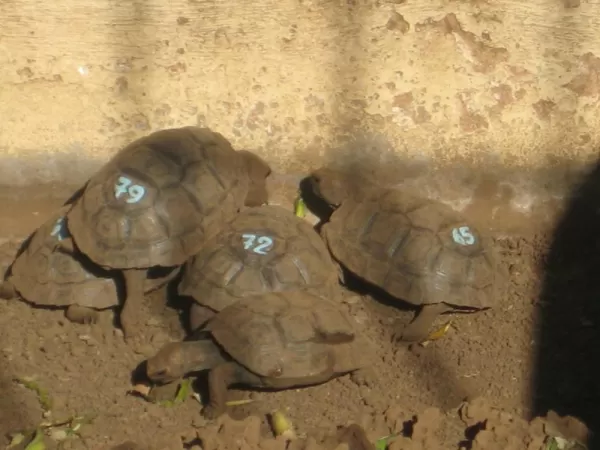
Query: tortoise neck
x=201, y=355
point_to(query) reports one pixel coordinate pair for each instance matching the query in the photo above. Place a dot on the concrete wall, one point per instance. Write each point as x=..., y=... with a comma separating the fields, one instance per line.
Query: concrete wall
x=502, y=83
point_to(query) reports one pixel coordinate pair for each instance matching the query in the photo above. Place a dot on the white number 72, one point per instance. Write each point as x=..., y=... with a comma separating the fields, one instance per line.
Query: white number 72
x=265, y=243
x=135, y=192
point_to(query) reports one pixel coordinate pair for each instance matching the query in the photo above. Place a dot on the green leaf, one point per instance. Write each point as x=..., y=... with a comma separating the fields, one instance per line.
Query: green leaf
x=37, y=443
x=42, y=394
x=182, y=393
x=552, y=444
x=300, y=207
x=382, y=443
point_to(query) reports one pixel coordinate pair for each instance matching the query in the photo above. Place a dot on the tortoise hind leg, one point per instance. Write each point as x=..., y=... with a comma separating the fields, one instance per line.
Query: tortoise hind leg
x=418, y=329
x=8, y=291
x=134, y=299
x=81, y=314
x=219, y=379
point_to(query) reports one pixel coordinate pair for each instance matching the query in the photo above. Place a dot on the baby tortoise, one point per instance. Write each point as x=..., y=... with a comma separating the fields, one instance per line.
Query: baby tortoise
x=263, y=249
x=45, y=274
x=279, y=341
x=157, y=201
x=416, y=249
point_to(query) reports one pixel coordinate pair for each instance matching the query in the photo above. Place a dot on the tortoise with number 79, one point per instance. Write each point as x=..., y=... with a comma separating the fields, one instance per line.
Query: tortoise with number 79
x=264, y=249
x=158, y=200
x=415, y=249
x=45, y=274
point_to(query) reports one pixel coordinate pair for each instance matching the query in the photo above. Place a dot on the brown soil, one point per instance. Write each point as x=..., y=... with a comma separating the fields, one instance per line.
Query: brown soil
x=487, y=359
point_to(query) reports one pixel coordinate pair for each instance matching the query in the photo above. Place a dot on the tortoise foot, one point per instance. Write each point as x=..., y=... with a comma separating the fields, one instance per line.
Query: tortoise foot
x=363, y=377
x=138, y=344
x=212, y=412
x=408, y=337
x=82, y=315
x=418, y=329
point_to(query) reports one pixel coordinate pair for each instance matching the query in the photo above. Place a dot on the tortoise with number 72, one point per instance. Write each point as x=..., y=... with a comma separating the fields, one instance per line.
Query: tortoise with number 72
x=415, y=249
x=45, y=274
x=278, y=340
x=263, y=249
x=157, y=201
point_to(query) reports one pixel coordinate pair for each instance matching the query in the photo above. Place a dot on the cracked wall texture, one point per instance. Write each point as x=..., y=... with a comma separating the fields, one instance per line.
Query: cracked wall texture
x=302, y=82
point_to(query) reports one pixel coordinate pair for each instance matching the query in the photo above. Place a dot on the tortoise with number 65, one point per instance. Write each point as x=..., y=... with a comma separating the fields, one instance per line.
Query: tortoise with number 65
x=277, y=341
x=262, y=250
x=415, y=249
x=45, y=274
x=157, y=201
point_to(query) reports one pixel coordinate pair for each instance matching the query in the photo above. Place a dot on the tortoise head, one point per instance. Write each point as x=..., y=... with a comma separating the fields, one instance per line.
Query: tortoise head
x=258, y=171
x=168, y=365
x=330, y=185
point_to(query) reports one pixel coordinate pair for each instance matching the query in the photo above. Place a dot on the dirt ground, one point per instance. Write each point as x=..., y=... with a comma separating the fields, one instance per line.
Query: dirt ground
x=472, y=389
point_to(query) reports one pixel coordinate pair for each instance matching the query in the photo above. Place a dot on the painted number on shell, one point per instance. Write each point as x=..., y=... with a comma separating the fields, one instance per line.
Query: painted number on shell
x=257, y=244
x=463, y=236
x=59, y=230
x=134, y=192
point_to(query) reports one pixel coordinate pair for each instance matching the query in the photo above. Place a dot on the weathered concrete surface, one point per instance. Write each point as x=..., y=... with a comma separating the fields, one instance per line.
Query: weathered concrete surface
x=493, y=83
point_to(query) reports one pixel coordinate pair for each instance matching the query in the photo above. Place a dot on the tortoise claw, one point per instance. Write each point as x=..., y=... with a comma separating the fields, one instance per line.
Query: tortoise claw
x=82, y=315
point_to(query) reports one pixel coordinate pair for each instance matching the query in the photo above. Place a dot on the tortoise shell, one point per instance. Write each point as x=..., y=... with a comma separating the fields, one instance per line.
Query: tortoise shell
x=263, y=249
x=419, y=250
x=45, y=274
x=159, y=198
x=292, y=334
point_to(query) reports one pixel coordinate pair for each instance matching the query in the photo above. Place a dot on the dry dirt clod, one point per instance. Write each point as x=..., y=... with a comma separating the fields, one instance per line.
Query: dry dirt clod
x=142, y=389
x=128, y=445
x=427, y=423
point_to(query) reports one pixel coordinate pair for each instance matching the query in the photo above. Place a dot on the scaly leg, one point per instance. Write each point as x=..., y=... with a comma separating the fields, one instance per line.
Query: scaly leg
x=219, y=379
x=418, y=329
x=134, y=299
x=199, y=315
x=81, y=314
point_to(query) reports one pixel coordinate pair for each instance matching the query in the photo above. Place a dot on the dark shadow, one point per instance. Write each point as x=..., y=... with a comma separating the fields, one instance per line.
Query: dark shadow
x=567, y=365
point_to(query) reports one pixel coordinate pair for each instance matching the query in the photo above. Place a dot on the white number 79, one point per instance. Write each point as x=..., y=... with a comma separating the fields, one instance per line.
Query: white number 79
x=135, y=192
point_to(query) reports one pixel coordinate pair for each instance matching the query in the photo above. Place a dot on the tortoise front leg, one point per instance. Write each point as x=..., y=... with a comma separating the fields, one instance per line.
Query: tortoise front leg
x=81, y=314
x=418, y=329
x=199, y=315
x=134, y=299
x=219, y=379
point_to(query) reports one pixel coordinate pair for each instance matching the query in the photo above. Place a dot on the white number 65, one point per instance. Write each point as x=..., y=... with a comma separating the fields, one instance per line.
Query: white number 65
x=463, y=236
x=265, y=243
x=135, y=192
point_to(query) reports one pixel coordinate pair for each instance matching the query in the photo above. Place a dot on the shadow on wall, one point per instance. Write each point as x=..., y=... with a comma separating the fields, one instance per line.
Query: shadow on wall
x=567, y=377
